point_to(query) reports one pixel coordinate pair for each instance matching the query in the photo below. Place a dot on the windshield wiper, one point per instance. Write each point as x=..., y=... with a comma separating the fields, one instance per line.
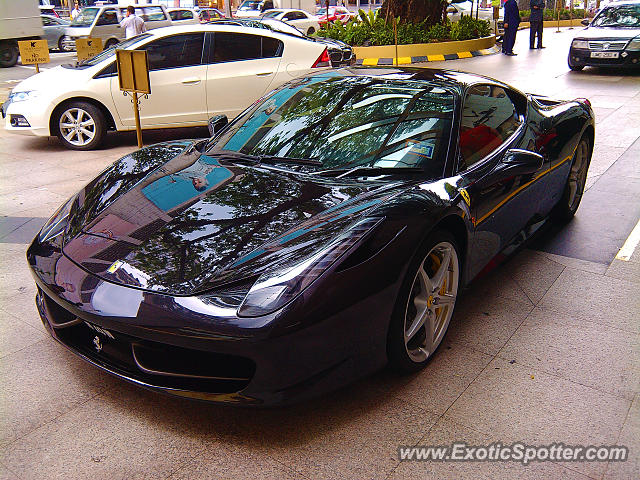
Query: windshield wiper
x=365, y=171
x=268, y=159
x=299, y=161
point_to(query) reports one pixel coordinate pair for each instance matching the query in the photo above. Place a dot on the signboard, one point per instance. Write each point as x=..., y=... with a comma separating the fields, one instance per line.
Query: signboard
x=88, y=47
x=496, y=13
x=133, y=71
x=33, y=51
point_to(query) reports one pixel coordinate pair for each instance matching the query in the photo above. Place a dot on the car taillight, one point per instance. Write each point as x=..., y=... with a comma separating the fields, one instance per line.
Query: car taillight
x=323, y=60
x=585, y=100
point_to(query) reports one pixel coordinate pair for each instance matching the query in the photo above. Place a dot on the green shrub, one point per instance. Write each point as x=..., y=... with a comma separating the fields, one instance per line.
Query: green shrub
x=371, y=29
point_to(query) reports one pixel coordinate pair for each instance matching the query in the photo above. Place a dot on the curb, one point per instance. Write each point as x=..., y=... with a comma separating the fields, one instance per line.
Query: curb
x=372, y=62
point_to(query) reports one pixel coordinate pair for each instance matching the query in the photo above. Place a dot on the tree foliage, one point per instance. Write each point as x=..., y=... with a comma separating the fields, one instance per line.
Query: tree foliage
x=431, y=12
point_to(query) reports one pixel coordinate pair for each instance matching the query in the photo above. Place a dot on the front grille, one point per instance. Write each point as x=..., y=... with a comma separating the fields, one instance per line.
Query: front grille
x=153, y=363
x=601, y=44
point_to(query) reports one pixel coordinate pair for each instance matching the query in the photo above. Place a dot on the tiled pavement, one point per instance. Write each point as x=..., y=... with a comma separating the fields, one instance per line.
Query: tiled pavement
x=544, y=349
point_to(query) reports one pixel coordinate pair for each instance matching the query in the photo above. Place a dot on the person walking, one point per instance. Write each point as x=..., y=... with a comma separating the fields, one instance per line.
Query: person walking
x=536, y=23
x=511, y=22
x=133, y=25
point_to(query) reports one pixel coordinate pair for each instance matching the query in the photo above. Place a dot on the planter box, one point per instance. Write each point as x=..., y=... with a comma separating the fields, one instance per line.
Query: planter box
x=576, y=22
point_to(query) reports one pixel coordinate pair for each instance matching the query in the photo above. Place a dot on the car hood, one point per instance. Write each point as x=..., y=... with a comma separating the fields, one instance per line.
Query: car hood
x=142, y=222
x=46, y=79
x=609, y=33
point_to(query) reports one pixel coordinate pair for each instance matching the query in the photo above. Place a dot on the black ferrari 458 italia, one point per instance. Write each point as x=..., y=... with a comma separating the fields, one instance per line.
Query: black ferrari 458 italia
x=323, y=233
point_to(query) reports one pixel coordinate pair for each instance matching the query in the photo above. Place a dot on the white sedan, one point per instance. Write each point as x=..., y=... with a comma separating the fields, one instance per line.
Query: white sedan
x=196, y=72
x=303, y=21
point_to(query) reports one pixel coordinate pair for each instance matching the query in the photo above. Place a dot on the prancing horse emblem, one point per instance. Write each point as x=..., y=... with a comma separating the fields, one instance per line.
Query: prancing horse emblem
x=97, y=343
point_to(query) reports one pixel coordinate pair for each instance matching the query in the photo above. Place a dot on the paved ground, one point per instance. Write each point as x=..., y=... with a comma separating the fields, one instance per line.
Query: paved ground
x=545, y=349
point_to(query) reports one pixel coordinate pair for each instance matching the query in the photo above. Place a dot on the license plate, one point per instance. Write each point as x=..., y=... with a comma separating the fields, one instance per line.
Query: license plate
x=604, y=54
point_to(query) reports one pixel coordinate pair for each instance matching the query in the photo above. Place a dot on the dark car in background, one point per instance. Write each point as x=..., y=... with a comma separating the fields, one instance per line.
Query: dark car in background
x=324, y=232
x=612, y=39
x=340, y=53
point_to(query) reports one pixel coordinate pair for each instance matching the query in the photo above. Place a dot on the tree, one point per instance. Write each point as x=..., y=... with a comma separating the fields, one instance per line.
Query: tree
x=415, y=11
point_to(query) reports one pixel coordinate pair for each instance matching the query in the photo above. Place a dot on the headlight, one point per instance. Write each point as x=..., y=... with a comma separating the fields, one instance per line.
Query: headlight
x=57, y=224
x=634, y=45
x=21, y=96
x=275, y=289
x=580, y=44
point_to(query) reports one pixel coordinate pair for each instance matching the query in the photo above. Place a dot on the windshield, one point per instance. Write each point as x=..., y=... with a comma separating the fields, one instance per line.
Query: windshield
x=250, y=5
x=283, y=27
x=344, y=121
x=111, y=51
x=618, y=16
x=85, y=18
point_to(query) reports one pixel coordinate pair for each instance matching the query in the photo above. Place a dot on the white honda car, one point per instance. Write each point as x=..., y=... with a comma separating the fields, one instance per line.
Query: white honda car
x=303, y=21
x=196, y=72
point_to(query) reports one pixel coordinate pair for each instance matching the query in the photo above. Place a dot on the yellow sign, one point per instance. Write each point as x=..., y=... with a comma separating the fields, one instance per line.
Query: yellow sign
x=33, y=51
x=465, y=196
x=496, y=12
x=133, y=71
x=88, y=47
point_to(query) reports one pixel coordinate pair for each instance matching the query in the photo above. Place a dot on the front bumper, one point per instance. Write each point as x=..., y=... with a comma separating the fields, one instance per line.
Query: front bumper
x=32, y=111
x=625, y=59
x=183, y=347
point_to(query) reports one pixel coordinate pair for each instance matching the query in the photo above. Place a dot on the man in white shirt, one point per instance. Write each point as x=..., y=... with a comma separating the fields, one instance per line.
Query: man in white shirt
x=132, y=24
x=76, y=11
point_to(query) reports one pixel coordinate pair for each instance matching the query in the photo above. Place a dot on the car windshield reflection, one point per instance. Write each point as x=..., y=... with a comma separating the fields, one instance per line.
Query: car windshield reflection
x=619, y=16
x=344, y=122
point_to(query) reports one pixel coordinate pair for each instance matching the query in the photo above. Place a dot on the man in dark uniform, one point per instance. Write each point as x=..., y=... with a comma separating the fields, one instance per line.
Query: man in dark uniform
x=535, y=22
x=511, y=22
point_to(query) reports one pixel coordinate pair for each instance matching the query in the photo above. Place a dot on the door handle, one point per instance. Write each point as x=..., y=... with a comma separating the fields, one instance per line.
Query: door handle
x=263, y=74
x=191, y=81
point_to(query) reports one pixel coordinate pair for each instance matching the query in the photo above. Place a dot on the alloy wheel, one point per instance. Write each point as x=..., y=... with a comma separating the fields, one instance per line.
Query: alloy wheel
x=431, y=301
x=578, y=175
x=77, y=126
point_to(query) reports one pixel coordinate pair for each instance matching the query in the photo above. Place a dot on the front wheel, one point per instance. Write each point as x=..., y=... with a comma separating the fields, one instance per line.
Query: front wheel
x=574, y=188
x=425, y=304
x=110, y=43
x=81, y=126
x=575, y=68
x=311, y=31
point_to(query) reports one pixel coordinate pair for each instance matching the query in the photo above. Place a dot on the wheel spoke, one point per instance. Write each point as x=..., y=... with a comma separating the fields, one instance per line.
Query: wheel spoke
x=418, y=322
x=69, y=135
x=87, y=133
x=87, y=123
x=425, y=281
x=439, y=277
x=444, y=300
x=66, y=125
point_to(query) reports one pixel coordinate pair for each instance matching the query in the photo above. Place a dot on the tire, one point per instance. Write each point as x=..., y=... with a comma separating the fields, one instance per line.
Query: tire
x=80, y=126
x=8, y=54
x=574, y=188
x=408, y=345
x=311, y=31
x=110, y=43
x=60, y=45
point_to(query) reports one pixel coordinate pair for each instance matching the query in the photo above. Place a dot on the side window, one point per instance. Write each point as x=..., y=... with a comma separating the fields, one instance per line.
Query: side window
x=175, y=15
x=187, y=14
x=153, y=14
x=231, y=47
x=489, y=118
x=290, y=16
x=300, y=16
x=176, y=51
x=108, y=17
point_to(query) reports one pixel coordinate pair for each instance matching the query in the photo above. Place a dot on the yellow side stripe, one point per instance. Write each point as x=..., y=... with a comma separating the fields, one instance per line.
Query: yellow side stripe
x=464, y=55
x=372, y=62
x=522, y=187
x=435, y=58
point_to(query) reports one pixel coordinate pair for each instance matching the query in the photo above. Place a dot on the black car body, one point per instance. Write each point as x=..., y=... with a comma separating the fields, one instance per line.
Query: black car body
x=340, y=53
x=221, y=271
x=612, y=39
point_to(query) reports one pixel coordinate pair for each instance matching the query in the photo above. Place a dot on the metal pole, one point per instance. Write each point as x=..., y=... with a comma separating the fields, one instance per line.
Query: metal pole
x=136, y=112
x=395, y=35
x=227, y=8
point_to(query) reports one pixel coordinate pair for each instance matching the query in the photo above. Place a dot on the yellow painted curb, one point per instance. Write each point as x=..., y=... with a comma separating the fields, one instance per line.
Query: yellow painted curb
x=464, y=55
x=425, y=49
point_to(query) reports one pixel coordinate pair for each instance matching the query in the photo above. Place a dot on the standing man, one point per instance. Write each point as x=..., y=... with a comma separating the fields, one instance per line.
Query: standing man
x=535, y=21
x=133, y=25
x=76, y=11
x=511, y=22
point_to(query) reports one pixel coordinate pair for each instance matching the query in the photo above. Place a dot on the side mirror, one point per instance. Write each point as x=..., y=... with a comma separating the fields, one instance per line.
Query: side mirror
x=217, y=123
x=521, y=161
x=585, y=22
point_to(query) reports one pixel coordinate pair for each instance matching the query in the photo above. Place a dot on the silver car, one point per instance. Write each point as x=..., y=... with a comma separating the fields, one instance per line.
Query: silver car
x=54, y=30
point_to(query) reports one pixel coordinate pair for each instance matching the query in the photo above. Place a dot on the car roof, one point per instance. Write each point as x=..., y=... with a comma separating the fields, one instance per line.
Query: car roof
x=216, y=27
